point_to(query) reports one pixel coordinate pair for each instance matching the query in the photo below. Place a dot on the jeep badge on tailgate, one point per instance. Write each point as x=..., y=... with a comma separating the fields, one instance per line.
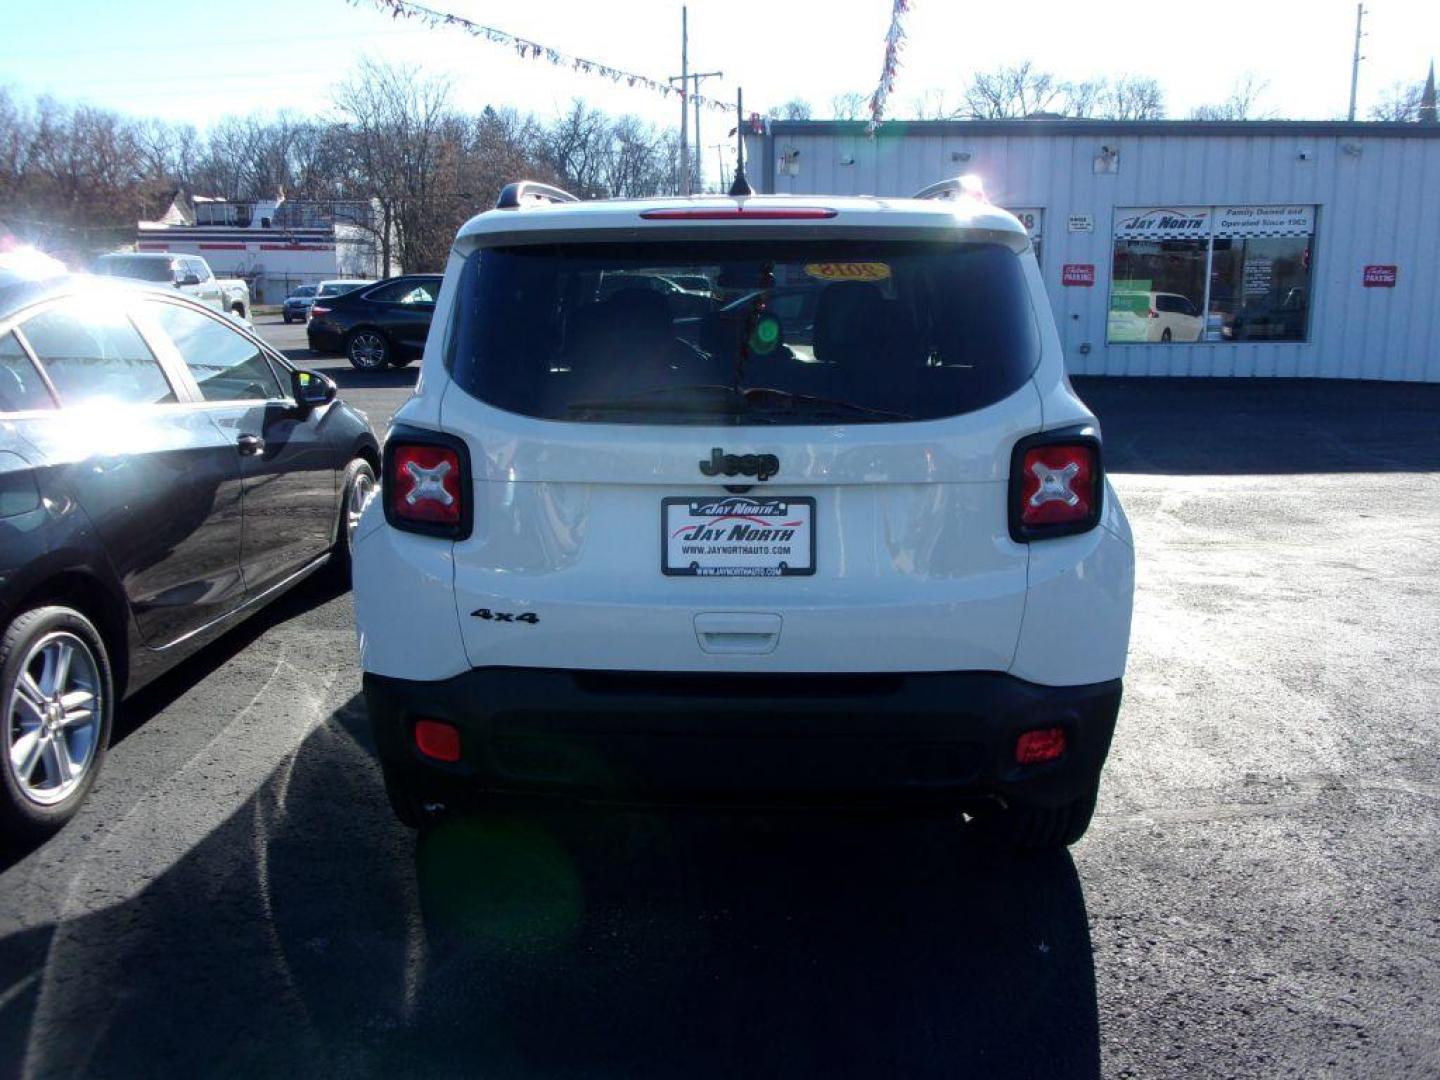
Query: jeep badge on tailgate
x=760, y=466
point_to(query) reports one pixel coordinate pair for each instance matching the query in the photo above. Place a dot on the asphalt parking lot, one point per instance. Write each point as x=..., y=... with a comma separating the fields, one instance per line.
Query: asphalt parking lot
x=1258, y=896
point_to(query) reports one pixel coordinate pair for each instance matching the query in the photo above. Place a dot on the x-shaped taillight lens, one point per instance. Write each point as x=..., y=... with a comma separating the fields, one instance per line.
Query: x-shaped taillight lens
x=425, y=488
x=1057, y=489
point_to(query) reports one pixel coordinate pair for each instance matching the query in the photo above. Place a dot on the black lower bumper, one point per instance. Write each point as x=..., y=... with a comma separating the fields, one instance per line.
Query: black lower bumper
x=323, y=337
x=886, y=739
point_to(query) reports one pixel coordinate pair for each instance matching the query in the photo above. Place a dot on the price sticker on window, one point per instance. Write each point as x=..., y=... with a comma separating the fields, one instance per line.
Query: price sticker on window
x=848, y=271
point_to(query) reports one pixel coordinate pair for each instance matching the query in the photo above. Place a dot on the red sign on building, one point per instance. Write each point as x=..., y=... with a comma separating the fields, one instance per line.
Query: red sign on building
x=1078, y=274
x=1380, y=276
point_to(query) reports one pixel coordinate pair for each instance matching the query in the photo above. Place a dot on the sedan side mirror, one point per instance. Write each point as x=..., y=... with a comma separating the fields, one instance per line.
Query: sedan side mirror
x=186, y=280
x=312, y=389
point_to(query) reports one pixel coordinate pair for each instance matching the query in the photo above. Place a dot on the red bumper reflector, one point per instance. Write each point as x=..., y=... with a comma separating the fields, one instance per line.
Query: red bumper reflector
x=1042, y=744
x=437, y=740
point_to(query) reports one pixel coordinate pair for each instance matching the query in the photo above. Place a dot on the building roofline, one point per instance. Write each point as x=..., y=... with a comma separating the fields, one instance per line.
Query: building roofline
x=1273, y=128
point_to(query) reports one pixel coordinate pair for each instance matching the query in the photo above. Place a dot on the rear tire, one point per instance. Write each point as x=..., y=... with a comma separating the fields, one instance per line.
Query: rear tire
x=359, y=487
x=368, y=350
x=1036, y=828
x=56, y=692
x=415, y=807
x=287, y=319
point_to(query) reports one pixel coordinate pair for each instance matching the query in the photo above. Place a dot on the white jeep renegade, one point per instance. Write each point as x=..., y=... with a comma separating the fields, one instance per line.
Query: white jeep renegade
x=746, y=499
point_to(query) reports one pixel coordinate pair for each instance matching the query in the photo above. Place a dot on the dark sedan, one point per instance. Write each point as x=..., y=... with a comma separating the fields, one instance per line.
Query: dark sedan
x=384, y=324
x=297, y=304
x=163, y=474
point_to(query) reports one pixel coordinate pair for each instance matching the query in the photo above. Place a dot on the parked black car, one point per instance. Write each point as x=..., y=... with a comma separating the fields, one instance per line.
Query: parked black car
x=1276, y=317
x=163, y=474
x=384, y=324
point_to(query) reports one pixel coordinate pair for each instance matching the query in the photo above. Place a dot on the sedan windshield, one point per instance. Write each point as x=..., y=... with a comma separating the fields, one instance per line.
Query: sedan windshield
x=798, y=332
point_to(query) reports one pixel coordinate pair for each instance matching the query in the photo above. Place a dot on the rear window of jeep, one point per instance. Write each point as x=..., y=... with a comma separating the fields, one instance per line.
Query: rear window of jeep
x=743, y=332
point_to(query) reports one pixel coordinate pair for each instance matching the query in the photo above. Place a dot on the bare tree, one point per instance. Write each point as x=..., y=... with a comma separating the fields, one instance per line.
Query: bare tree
x=930, y=105
x=16, y=134
x=794, y=109
x=1008, y=92
x=577, y=145
x=639, y=160
x=848, y=106
x=1130, y=97
x=1399, y=102
x=392, y=118
x=503, y=146
x=79, y=176
x=1242, y=104
x=1084, y=99
x=1135, y=97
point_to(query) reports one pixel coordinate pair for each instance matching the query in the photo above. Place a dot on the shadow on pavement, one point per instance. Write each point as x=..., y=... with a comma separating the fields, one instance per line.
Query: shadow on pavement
x=1260, y=426
x=310, y=933
x=349, y=377
x=320, y=588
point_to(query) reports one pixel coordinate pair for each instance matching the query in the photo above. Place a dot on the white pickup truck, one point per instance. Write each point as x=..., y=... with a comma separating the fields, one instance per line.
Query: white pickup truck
x=191, y=274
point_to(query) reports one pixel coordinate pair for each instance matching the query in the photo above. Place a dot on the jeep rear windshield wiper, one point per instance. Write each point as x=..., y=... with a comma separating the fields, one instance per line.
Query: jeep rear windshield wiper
x=735, y=402
x=761, y=393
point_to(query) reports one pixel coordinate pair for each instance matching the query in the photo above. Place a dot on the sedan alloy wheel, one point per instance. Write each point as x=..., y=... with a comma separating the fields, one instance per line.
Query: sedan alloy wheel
x=54, y=718
x=368, y=350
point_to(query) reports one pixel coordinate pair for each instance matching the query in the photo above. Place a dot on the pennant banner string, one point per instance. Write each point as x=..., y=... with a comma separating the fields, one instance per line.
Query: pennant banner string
x=533, y=50
x=894, y=42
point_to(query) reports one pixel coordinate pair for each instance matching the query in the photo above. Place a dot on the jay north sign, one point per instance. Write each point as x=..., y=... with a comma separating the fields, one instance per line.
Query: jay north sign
x=760, y=466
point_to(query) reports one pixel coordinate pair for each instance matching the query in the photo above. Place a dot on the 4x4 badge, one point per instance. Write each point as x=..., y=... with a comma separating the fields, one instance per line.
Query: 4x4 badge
x=760, y=466
x=505, y=616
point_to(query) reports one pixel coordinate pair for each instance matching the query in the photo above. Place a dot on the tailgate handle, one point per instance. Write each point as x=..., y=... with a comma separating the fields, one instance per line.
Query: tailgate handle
x=733, y=632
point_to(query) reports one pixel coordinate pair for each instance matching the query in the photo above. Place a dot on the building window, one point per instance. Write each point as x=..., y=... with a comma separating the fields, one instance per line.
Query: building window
x=1211, y=273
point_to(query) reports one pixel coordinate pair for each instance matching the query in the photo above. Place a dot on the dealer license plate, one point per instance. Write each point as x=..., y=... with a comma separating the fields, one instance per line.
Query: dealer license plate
x=737, y=536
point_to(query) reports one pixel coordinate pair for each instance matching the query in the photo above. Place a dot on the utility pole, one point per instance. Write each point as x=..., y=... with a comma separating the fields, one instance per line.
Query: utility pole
x=685, y=100
x=1355, y=64
x=696, y=76
x=720, y=174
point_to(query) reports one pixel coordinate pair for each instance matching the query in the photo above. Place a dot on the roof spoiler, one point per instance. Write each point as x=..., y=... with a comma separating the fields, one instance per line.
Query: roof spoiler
x=514, y=196
x=968, y=186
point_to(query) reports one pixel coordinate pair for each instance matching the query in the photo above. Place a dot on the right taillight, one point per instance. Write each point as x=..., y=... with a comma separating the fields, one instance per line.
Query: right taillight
x=315, y=309
x=1057, y=484
x=427, y=484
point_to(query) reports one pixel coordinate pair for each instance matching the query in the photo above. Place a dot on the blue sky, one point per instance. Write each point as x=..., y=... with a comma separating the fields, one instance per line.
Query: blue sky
x=196, y=62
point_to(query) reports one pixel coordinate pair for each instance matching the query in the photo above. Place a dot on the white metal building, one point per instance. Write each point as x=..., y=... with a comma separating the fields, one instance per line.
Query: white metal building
x=274, y=244
x=1262, y=248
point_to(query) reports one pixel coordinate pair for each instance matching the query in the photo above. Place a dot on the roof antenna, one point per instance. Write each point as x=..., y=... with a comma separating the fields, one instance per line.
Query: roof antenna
x=741, y=187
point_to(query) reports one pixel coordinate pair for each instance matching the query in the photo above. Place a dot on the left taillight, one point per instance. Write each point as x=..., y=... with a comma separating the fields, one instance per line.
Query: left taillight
x=426, y=485
x=1057, y=484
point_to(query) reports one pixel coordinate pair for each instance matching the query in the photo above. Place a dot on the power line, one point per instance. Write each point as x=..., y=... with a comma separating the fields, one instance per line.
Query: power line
x=108, y=50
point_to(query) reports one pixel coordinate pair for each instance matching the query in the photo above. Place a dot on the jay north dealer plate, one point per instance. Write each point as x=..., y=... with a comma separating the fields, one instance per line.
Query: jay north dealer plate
x=737, y=536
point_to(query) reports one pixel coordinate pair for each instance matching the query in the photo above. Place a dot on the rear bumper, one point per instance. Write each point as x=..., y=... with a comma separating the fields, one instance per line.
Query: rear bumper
x=324, y=337
x=933, y=738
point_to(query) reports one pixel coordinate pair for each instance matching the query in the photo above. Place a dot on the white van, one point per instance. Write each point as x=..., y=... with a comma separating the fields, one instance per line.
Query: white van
x=1155, y=317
